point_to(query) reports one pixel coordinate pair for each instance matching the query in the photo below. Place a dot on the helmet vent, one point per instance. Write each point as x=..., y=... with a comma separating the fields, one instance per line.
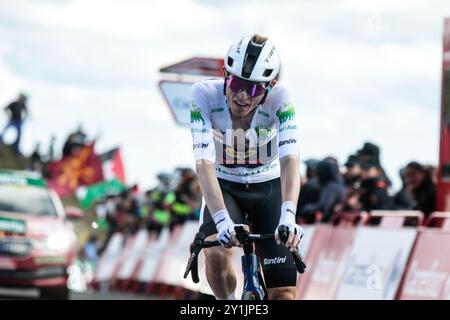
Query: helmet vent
x=267, y=72
x=230, y=61
x=249, y=64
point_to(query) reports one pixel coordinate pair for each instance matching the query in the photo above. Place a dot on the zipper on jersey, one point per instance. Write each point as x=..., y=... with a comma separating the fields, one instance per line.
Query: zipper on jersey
x=247, y=187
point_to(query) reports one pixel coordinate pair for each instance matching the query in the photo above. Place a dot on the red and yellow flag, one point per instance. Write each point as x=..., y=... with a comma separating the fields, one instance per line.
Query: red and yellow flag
x=82, y=168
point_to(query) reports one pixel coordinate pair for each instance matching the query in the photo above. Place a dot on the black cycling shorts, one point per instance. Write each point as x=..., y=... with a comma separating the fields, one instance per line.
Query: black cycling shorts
x=258, y=205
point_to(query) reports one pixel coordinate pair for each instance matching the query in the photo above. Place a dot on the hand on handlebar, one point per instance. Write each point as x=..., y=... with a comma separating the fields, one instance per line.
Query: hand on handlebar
x=290, y=235
x=288, y=232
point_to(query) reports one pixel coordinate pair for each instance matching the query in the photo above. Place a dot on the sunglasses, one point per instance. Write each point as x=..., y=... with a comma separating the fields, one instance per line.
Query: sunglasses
x=253, y=89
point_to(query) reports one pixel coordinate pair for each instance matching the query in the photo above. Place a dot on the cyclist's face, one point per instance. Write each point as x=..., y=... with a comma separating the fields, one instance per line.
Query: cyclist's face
x=241, y=104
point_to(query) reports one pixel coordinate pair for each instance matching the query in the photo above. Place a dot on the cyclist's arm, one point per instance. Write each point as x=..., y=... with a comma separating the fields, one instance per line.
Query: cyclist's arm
x=288, y=153
x=290, y=178
x=209, y=185
x=204, y=150
x=288, y=149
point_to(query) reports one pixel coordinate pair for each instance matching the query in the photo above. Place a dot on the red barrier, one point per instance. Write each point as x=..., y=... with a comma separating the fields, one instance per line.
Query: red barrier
x=428, y=272
x=395, y=219
x=328, y=256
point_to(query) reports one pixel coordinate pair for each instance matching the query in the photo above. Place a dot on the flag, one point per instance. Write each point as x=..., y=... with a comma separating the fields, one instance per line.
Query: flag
x=82, y=168
x=113, y=165
x=98, y=191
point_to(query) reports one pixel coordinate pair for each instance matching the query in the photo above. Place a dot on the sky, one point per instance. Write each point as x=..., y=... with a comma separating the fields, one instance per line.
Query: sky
x=357, y=71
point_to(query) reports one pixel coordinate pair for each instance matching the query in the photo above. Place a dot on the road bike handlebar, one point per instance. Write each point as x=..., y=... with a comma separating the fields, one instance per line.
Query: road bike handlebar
x=199, y=243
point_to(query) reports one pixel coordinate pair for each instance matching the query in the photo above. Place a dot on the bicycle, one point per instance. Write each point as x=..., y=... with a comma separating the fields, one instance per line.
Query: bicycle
x=254, y=287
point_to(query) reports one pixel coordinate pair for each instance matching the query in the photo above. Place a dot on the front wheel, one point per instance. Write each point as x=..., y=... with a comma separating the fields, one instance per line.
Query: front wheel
x=250, y=295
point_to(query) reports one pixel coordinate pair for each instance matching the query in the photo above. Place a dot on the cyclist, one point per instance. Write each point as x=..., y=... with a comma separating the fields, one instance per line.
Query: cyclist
x=246, y=150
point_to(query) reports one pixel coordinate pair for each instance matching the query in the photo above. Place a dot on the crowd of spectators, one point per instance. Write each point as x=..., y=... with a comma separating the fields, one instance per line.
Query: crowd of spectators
x=363, y=185
x=175, y=200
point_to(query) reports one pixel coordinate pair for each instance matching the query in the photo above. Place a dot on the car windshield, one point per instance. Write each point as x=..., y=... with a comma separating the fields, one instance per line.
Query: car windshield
x=26, y=200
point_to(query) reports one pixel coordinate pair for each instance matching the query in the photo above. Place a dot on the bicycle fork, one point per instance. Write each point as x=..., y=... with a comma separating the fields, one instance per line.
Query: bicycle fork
x=251, y=275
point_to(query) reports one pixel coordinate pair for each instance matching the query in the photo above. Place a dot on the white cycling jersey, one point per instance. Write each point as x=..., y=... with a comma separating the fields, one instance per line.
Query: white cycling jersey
x=246, y=157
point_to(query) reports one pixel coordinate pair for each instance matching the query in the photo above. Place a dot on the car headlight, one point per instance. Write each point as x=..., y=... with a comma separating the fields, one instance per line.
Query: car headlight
x=59, y=241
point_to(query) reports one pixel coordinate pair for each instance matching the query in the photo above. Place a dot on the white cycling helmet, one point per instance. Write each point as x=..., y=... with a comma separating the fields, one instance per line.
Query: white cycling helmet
x=251, y=61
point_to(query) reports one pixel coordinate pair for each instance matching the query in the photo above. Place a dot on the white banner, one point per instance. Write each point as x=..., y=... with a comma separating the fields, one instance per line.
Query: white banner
x=136, y=250
x=307, y=239
x=152, y=256
x=110, y=258
x=376, y=264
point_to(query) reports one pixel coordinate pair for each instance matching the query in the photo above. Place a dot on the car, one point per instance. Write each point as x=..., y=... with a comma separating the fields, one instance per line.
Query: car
x=37, y=240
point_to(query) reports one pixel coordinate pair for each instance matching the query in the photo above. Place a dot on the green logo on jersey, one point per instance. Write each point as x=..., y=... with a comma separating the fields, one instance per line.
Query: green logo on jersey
x=196, y=115
x=262, y=133
x=286, y=115
x=265, y=114
x=218, y=109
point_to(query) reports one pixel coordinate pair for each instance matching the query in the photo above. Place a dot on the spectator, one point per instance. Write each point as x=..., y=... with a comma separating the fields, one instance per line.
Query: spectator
x=370, y=153
x=17, y=112
x=36, y=162
x=331, y=194
x=403, y=199
x=90, y=249
x=310, y=190
x=373, y=190
x=128, y=212
x=352, y=175
x=51, y=149
x=186, y=201
x=419, y=184
x=74, y=142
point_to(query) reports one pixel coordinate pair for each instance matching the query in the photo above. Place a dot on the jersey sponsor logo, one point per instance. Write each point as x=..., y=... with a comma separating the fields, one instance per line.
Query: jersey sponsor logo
x=287, y=114
x=265, y=114
x=196, y=115
x=240, y=156
x=200, y=145
x=263, y=133
x=204, y=130
x=247, y=173
x=218, y=109
x=282, y=143
x=239, y=147
x=276, y=260
x=289, y=127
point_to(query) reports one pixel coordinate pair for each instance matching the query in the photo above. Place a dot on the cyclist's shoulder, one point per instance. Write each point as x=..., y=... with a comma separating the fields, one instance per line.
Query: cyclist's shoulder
x=209, y=87
x=276, y=99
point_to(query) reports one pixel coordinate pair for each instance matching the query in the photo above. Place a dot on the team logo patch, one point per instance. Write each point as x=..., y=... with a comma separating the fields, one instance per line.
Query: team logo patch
x=287, y=114
x=196, y=115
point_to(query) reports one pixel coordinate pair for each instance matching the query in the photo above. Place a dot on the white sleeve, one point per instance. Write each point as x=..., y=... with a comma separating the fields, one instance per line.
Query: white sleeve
x=287, y=126
x=201, y=128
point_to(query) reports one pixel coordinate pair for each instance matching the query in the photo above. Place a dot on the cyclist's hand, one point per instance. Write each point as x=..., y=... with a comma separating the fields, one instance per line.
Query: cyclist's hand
x=234, y=236
x=295, y=235
x=287, y=219
x=225, y=229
